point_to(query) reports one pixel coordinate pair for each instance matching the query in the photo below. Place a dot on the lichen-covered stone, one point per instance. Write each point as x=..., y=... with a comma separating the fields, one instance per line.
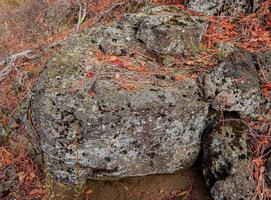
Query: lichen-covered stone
x=234, y=85
x=241, y=185
x=221, y=7
x=167, y=33
x=116, y=133
x=227, y=161
x=9, y=181
x=267, y=172
x=96, y=127
x=264, y=64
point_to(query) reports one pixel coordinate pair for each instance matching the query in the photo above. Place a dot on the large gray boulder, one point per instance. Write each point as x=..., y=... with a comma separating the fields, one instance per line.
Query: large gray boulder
x=227, y=160
x=100, y=119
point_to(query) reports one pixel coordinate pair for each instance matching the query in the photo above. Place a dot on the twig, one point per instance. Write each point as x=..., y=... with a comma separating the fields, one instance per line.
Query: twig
x=81, y=15
x=10, y=61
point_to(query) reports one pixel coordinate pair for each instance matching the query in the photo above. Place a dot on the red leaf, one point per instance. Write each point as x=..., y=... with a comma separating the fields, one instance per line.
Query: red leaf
x=91, y=93
x=118, y=62
x=89, y=74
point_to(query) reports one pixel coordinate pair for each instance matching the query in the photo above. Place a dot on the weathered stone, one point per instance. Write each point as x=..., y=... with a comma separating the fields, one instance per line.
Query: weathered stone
x=9, y=181
x=234, y=85
x=221, y=7
x=264, y=64
x=267, y=172
x=117, y=133
x=241, y=185
x=115, y=40
x=226, y=48
x=227, y=161
x=97, y=128
x=167, y=33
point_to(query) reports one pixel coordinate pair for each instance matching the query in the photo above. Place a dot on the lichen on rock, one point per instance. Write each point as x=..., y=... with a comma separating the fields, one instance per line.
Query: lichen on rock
x=234, y=85
x=91, y=127
x=220, y=7
x=227, y=160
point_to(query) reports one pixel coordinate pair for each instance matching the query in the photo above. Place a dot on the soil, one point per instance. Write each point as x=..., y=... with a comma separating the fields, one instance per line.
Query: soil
x=182, y=185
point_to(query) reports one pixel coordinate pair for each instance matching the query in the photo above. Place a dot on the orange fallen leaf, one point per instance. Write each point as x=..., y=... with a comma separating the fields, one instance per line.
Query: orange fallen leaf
x=179, y=77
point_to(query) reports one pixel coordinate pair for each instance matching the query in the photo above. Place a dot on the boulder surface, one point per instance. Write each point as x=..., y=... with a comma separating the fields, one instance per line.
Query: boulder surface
x=98, y=118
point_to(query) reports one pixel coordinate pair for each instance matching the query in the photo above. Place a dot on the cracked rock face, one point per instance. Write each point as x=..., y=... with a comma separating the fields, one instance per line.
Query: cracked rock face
x=94, y=127
x=234, y=85
x=227, y=162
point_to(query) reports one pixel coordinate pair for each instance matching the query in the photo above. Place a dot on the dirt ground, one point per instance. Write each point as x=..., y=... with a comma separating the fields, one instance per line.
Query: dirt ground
x=182, y=185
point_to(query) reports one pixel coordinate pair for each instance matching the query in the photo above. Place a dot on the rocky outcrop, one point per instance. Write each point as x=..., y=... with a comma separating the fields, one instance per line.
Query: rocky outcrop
x=90, y=123
x=227, y=160
x=104, y=108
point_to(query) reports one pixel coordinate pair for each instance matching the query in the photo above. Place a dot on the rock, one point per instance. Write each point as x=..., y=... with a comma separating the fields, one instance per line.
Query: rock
x=267, y=172
x=264, y=64
x=208, y=7
x=227, y=161
x=100, y=126
x=220, y=7
x=114, y=40
x=238, y=186
x=9, y=181
x=234, y=85
x=167, y=33
x=226, y=48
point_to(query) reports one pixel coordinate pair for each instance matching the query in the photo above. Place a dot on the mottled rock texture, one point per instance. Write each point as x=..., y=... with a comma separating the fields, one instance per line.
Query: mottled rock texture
x=164, y=31
x=227, y=160
x=94, y=127
x=234, y=85
x=264, y=64
x=9, y=183
x=221, y=7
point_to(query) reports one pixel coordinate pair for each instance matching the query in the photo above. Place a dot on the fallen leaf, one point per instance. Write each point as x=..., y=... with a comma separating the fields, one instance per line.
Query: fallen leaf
x=179, y=77
x=91, y=93
x=89, y=74
x=118, y=62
